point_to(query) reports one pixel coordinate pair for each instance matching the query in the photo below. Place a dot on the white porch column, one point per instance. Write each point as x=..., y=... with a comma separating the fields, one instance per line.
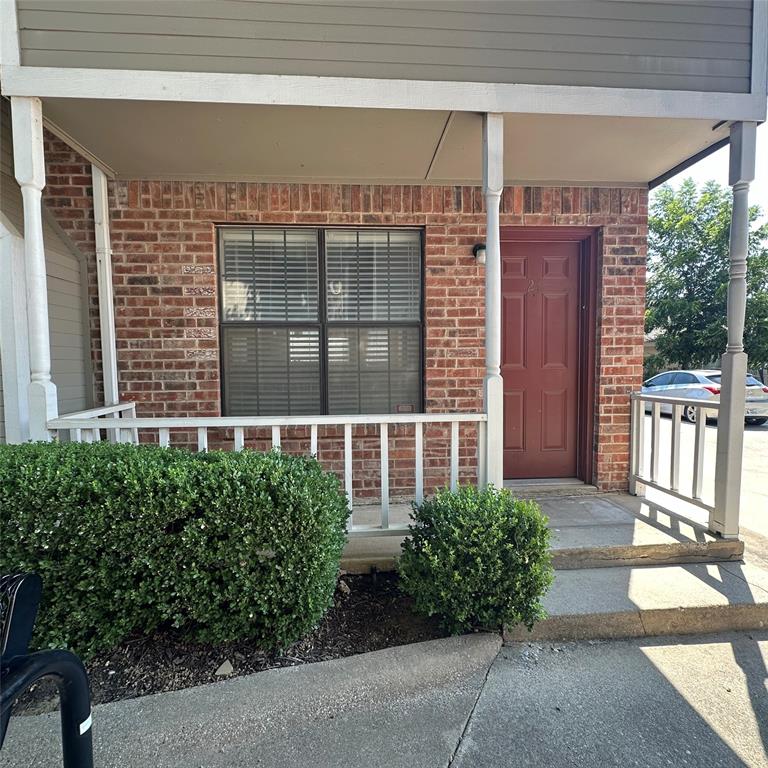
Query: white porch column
x=730, y=423
x=104, y=280
x=29, y=164
x=493, y=391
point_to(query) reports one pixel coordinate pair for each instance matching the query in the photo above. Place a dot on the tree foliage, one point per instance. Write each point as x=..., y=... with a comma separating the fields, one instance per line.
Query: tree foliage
x=688, y=277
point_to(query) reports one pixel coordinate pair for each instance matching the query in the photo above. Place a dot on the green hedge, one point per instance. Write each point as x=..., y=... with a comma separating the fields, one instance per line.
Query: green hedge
x=477, y=559
x=222, y=545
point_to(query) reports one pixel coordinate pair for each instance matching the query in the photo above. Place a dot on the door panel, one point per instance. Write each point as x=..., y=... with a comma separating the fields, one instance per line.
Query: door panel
x=540, y=358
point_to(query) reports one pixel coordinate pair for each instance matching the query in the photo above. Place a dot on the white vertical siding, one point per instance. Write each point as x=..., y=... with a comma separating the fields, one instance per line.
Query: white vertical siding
x=2, y=407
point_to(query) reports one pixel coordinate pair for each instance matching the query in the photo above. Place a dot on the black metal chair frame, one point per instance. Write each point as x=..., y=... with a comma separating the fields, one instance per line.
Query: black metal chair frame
x=19, y=669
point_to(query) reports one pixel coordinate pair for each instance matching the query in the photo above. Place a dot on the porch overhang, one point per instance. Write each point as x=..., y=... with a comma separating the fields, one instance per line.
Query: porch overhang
x=254, y=142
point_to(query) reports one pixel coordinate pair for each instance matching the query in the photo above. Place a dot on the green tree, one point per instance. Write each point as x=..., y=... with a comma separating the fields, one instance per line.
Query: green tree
x=688, y=277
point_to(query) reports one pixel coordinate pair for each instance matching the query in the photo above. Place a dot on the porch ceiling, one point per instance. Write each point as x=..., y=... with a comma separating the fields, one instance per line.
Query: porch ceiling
x=182, y=140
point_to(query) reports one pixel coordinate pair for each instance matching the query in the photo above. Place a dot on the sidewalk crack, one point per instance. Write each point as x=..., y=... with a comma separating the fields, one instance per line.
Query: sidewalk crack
x=472, y=711
x=642, y=622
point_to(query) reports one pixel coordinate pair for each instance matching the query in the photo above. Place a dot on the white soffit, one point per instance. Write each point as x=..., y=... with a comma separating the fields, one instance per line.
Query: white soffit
x=235, y=141
x=560, y=148
x=182, y=140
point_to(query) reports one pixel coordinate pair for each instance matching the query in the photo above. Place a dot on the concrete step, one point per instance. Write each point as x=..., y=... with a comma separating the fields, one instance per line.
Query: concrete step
x=607, y=603
x=540, y=489
x=588, y=531
x=380, y=554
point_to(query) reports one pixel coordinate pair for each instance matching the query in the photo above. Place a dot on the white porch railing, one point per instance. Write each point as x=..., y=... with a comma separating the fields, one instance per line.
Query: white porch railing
x=98, y=416
x=650, y=476
x=120, y=421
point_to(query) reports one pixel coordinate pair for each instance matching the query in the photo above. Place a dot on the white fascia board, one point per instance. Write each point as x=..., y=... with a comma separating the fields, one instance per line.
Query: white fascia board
x=207, y=87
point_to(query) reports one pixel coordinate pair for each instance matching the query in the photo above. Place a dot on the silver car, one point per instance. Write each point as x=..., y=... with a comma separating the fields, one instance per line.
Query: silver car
x=705, y=385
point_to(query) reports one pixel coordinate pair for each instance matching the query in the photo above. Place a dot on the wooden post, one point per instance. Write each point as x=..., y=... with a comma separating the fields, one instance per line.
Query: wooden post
x=493, y=389
x=724, y=519
x=29, y=168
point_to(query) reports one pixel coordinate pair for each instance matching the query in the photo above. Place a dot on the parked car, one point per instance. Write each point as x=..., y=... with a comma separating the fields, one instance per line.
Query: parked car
x=705, y=385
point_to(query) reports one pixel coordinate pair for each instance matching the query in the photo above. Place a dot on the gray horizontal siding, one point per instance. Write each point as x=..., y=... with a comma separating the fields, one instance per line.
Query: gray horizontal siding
x=703, y=45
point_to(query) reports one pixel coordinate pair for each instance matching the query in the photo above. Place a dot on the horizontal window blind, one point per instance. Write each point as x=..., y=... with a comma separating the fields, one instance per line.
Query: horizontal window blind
x=269, y=274
x=373, y=370
x=296, y=344
x=271, y=371
x=372, y=275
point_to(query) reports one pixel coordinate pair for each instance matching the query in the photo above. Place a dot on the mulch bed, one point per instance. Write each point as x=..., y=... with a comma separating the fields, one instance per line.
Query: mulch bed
x=369, y=613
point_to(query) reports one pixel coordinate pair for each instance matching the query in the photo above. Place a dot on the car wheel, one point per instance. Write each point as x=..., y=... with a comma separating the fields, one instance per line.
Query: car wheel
x=689, y=414
x=756, y=422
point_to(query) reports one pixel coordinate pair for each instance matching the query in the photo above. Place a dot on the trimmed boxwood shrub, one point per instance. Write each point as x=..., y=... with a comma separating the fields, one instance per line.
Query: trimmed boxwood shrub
x=477, y=559
x=221, y=545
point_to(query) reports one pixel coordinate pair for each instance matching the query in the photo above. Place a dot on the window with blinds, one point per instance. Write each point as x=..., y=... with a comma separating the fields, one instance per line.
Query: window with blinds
x=320, y=321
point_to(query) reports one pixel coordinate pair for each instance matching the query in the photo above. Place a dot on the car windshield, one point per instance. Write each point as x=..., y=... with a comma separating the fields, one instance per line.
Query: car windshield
x=751, y=380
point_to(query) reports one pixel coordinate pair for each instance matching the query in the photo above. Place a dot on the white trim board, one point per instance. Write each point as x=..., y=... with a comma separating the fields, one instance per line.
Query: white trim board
x=9, y=34
x=759, y=71
x=140, y=85
x=413, y=182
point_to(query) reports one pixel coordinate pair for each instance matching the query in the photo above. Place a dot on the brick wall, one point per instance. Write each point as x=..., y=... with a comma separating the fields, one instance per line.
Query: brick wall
x=164, y=274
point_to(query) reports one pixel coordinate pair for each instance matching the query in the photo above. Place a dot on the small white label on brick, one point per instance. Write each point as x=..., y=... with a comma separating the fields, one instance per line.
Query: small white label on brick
x=199, y=312
x=200, y=333
x=201, y=354
x=195, y=290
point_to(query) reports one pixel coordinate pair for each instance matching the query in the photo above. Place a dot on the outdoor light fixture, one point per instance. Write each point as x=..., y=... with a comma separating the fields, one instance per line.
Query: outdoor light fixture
x=478, y=251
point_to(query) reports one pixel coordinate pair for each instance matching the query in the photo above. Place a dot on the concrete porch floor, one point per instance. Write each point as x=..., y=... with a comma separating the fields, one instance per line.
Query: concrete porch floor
x=589, y=530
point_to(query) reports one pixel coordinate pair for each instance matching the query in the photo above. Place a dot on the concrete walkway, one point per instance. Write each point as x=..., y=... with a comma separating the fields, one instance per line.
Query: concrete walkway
x=463, y=702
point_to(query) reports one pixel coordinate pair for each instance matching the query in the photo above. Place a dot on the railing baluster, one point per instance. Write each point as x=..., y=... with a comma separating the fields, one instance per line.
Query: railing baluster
x=76, y=435
x=348, y=462
x=164, y=437
x=239, y=438
x=384, y=475
x=276, y=437
x=636, y=425
x=482, y=479
x=419, y=437
x=698, y=454
x=655, y=429
x=672, y=486
x=87, y=436
x=313, y=440
x=641, y=439
x=674, y=453
x=134, y=432
x=202, y=439
x=454, y=455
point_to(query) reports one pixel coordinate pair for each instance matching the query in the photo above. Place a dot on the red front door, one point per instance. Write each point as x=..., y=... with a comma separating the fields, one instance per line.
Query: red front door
x=540, y=357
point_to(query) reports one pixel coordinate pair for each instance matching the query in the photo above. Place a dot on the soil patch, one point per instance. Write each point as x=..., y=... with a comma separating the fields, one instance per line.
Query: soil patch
x=369, y=613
